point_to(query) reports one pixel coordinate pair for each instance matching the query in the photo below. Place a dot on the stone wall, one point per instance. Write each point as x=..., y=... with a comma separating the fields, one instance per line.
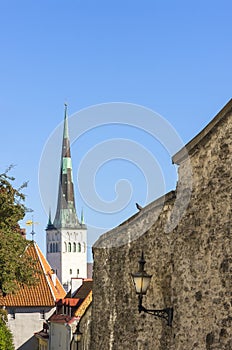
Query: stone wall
x=191, y=264
x=85, y=329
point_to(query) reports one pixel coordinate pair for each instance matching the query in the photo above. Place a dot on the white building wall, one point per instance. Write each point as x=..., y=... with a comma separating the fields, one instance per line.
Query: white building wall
x=24, y=322
x=60, y=336
x=53, y=251
x=74, y=255
x=67, y=253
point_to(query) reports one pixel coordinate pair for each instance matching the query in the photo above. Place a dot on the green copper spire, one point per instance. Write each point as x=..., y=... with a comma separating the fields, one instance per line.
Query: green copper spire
x=66, y=216
x=82, y=217
x=50, y=224
x=50, y=220
x=66, y=134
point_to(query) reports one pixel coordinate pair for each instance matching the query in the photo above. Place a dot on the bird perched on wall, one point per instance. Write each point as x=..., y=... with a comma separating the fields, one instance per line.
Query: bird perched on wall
x=138, y=206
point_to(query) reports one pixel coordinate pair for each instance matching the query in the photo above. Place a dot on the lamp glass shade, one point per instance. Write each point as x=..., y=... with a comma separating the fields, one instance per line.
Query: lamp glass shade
x=141, y=282
x=77, y=336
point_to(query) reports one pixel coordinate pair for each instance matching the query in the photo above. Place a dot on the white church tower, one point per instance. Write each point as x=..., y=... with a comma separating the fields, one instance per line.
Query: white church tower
x=66, y=237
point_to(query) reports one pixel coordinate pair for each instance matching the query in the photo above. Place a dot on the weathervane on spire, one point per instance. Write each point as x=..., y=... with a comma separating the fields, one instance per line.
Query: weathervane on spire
x=32, y=223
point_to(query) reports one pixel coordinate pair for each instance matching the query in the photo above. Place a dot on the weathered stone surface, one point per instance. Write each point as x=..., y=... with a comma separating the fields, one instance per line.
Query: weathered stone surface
x=191, y=264
x=85, y=329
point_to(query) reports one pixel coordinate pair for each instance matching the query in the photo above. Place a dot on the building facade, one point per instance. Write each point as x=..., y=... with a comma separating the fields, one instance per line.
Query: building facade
x=188, y=249
x=66, y=237
x=29, y=307
x=72, y=313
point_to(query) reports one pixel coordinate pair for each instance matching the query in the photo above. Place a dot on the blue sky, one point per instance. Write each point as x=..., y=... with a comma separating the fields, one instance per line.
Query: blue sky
x=173, y=57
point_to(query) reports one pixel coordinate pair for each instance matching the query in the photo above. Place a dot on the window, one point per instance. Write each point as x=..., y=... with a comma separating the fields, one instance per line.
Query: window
x=69, y=247
x=12, y=314
x=65, y=246
x=79, y=247
x=54, y=247
x=50, y=247
x=74, y=247
x=70, y=271
x=78, y=271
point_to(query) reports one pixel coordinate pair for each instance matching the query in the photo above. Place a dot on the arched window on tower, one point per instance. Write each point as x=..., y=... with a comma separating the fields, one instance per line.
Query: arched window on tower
x=50, y=248
x=74, y=247
x=56, y=247
x=79, y=247
x=69, y=247
x=65, y=247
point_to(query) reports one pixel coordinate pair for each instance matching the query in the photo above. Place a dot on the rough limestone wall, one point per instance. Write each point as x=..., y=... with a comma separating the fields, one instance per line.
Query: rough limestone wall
x=85, y=327
x=191, y=265
x=116, y=322
x=202, y=280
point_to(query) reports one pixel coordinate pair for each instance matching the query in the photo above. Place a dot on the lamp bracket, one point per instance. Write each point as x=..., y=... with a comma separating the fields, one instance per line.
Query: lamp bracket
x=166, y=313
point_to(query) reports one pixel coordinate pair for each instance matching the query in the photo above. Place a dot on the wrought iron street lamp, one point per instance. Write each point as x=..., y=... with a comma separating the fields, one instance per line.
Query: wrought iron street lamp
x=77, y=336
x=141, y=282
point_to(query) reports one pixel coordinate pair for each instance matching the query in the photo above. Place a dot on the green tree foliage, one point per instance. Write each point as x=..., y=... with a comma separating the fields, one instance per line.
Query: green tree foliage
x=16, y=266
x=6, y=338
x=11, y=207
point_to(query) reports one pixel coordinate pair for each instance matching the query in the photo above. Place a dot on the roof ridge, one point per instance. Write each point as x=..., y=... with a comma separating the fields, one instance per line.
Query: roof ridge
x=44, y=270
x=113, y=235
x=32, y=296
x=84, y=304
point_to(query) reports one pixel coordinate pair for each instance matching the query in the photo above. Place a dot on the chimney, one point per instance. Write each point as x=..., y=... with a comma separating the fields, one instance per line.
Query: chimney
x=75, y=284
x=53, y=276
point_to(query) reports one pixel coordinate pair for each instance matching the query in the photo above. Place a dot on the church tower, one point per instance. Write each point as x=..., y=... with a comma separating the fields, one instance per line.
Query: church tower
x=66, y=237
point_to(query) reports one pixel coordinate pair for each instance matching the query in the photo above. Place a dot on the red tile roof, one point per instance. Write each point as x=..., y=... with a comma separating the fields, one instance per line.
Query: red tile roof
x=68, y=302
x=76, y=306
x=44, y=293
x=61, y=318
x=57, y=289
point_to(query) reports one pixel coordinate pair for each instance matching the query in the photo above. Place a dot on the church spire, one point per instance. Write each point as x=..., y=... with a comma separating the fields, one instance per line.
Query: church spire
x=50, y=224
x=66, y=216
